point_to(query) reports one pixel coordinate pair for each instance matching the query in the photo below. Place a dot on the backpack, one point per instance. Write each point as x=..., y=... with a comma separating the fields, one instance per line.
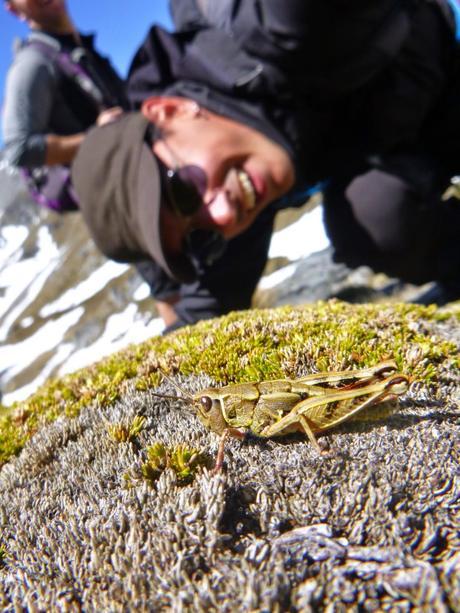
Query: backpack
x=51, y=186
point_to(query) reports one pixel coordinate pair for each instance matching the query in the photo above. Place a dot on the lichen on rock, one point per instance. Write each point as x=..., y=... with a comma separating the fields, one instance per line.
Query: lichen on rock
x=372, y=525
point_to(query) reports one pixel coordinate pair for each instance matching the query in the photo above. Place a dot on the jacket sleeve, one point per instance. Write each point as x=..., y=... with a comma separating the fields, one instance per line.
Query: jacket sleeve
x=30, y=89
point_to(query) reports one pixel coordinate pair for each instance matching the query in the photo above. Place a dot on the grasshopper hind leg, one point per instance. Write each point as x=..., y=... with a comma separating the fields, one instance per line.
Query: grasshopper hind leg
x=308, y=431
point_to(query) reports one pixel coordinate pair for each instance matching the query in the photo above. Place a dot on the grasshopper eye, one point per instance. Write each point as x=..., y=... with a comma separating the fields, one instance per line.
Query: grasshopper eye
x=206, y=403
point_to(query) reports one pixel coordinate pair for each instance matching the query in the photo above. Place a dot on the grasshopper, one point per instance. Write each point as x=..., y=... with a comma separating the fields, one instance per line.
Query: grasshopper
x=310, y=404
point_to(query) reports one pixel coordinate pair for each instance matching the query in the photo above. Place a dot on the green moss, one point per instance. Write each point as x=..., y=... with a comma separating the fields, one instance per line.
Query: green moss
x=157, y=456
x=157, y=461
x=247, y=346
x=126, y=432
x=183, y=460
x=3, y=556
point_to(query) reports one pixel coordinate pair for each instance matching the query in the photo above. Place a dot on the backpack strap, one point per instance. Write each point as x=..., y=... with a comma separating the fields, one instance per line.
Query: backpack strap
x=68, y=64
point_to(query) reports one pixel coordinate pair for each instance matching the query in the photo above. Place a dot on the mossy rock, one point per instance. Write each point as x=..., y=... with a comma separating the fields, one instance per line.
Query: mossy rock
x=372, y=525
x=247, y=346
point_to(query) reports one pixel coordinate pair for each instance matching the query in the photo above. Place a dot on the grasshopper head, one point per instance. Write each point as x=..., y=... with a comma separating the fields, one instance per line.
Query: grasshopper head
x=209, y=409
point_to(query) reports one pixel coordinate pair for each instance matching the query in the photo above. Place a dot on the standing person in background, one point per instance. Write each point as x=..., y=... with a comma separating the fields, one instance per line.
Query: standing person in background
x=57, y=87
x=46, y=113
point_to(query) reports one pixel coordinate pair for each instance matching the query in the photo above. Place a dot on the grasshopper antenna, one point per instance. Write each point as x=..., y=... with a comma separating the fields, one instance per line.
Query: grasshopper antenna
x=170, y=397
x=185, y=394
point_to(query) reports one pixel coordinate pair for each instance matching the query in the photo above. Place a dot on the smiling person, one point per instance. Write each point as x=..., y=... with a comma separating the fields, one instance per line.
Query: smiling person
x=246, y=106
x=47, y=107
x=148, y=186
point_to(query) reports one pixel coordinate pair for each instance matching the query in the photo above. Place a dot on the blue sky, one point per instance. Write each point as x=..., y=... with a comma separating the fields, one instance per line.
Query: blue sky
x=120, y=27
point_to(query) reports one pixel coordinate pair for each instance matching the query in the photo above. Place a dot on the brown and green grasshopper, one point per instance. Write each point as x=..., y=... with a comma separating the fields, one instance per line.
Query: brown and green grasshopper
x=310, y=404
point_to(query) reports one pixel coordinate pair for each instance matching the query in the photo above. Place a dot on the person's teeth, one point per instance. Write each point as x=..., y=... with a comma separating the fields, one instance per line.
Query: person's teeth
x=248, y=189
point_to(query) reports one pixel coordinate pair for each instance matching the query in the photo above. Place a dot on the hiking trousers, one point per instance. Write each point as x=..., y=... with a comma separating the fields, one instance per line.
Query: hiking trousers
x=392, y=215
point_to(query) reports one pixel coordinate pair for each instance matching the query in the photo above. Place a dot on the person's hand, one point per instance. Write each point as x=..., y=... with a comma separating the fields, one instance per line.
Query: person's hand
x=109, y=115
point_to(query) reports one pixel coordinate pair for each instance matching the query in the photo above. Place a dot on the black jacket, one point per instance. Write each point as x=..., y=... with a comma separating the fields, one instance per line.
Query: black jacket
x=317, y=77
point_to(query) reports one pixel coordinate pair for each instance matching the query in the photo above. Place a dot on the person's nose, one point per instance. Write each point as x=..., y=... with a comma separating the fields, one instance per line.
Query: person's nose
x=222, y=207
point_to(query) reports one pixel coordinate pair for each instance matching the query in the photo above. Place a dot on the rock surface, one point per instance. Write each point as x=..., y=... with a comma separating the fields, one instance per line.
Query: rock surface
x=371, y=525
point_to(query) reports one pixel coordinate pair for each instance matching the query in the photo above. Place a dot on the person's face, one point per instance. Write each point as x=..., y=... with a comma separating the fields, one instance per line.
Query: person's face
x=244, y=170
x=45, y=14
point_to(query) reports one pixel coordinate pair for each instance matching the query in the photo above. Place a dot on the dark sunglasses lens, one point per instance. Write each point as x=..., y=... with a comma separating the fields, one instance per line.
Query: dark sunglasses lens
x=188, y=184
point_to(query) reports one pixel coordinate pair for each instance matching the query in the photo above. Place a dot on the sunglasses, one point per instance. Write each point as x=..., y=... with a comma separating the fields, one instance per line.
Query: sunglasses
x=185, y=186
